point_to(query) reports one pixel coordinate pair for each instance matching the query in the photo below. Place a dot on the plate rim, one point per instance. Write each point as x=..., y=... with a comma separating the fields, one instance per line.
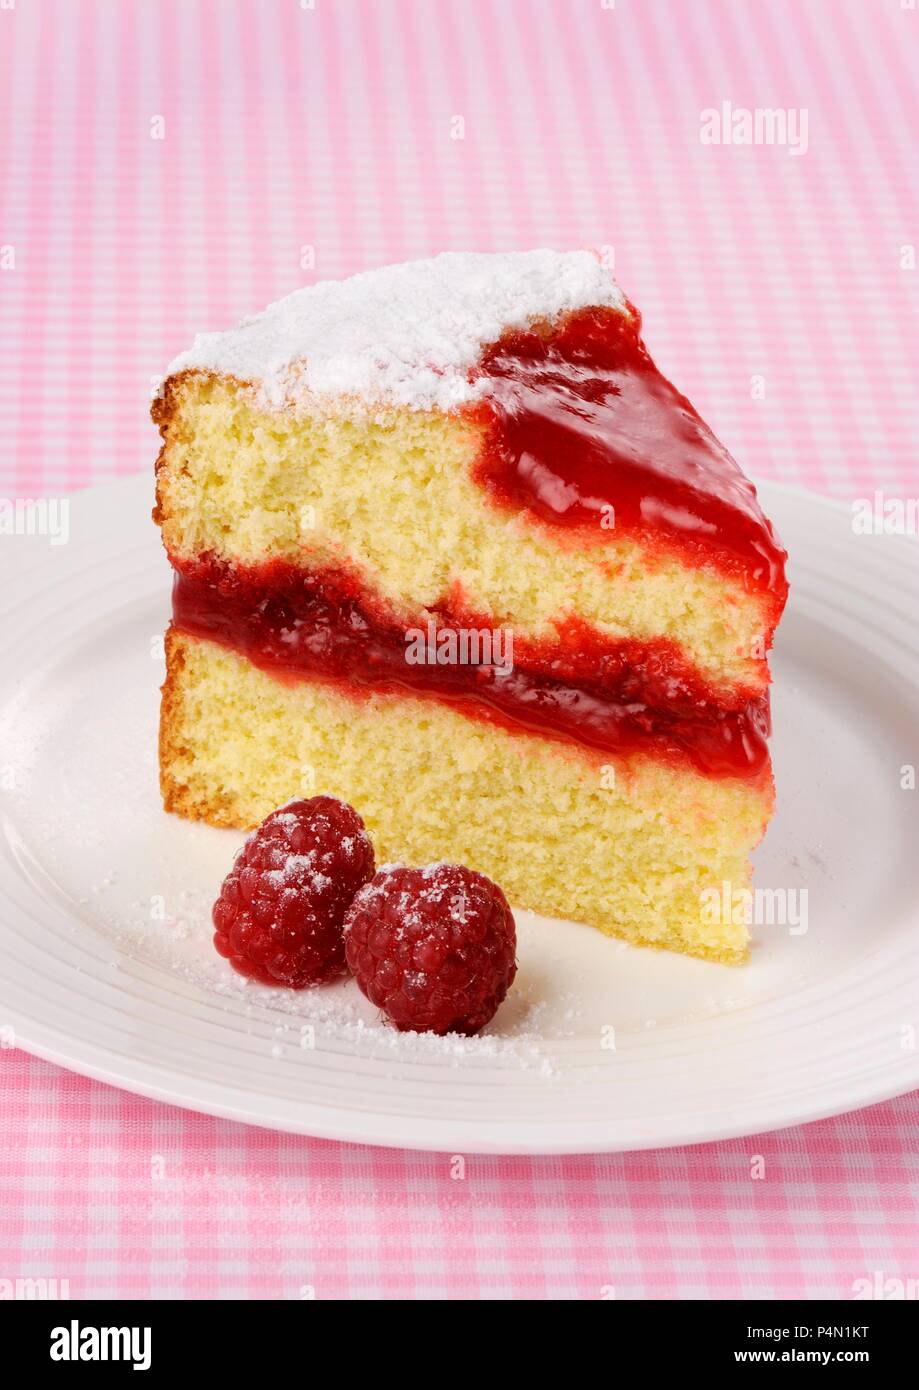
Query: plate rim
x=68, y=1049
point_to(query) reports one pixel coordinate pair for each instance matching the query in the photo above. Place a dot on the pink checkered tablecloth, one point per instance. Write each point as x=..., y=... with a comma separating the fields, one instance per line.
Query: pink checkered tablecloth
x=169, y=165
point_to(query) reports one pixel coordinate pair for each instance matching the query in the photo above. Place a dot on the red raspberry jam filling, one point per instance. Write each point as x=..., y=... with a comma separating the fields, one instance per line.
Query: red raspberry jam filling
x=616, y=697
x=579, y=421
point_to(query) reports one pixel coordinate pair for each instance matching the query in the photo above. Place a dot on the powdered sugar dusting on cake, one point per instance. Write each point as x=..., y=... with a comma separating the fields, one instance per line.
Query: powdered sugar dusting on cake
x=407, y=335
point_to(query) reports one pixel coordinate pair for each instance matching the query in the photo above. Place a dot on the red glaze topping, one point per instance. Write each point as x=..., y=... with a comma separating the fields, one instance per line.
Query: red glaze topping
x=616, y=697
x=579, y=420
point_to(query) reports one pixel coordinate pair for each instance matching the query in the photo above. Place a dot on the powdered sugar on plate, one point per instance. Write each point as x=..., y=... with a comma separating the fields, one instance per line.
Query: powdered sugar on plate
x=407, y=335
x=328, y=1015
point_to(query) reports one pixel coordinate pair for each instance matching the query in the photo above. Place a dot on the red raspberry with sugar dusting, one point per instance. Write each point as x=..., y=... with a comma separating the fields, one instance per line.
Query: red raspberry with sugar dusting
x=433, y=948
x=279, y=915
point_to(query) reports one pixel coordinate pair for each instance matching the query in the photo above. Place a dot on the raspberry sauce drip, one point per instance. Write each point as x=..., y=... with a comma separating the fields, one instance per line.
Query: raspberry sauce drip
x=580, y=421
x=327, y=625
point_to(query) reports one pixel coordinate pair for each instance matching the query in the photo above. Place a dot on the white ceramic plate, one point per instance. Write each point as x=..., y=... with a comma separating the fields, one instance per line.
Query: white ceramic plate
x=105, y=957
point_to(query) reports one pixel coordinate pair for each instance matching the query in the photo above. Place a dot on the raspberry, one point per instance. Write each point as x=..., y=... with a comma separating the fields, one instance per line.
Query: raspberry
x=433, y=948
x=279, y=915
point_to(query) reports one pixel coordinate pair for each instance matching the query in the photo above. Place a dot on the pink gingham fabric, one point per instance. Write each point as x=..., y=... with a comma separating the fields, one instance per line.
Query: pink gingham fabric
x=170, y=165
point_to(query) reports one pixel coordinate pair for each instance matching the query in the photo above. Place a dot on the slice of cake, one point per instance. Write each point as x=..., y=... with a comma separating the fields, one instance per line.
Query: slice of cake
x=450, y=548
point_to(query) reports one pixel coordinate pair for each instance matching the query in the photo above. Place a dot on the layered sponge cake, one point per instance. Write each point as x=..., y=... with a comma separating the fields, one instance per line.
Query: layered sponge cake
x=449, y=547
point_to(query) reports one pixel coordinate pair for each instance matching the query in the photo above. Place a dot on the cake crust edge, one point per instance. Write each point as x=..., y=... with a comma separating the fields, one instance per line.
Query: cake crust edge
x=177, y=796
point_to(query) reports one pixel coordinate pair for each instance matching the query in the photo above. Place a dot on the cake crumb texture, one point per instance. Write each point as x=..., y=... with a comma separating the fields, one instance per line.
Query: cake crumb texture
x=627, y=847
x=395, y=497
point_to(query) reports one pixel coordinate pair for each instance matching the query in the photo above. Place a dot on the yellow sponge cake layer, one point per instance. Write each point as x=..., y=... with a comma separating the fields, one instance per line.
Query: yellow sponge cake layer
x=393, y=495
x=627, y=846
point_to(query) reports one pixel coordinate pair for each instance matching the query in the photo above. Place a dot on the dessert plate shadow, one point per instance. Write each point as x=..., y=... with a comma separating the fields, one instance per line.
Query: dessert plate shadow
x=107, y=966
